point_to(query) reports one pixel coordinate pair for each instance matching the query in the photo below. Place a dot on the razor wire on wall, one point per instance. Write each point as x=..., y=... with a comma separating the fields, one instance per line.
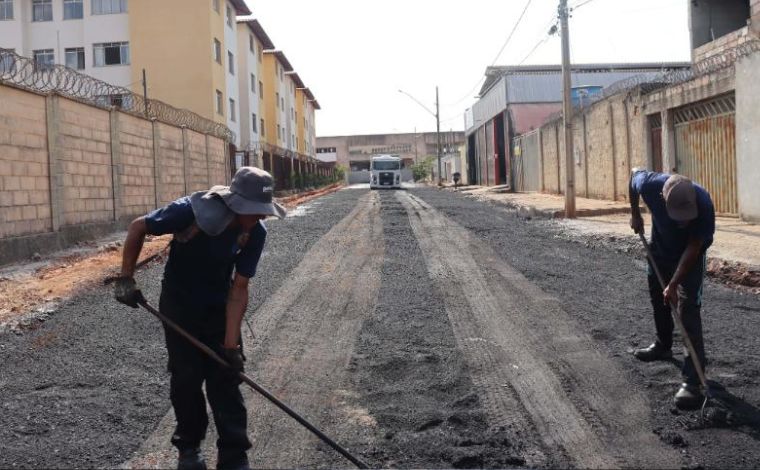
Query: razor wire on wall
x=648, y=84
x=24, y=72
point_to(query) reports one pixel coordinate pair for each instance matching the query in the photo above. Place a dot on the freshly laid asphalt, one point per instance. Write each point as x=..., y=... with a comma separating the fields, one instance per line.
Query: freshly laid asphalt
x=85, y=387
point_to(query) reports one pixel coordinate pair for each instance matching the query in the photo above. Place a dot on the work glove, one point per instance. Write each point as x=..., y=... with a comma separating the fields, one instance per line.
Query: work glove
x=125, y=290
x=235, y=359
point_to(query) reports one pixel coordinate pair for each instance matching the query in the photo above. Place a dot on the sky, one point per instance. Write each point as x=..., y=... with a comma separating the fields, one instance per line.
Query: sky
x=355, y=55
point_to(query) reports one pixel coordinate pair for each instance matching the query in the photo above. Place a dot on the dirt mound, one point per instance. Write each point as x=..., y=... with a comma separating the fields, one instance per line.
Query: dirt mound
x=735, y=274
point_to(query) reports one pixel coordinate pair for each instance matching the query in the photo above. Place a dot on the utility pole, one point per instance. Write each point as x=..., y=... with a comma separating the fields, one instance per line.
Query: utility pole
x=438, y=133
x=415, y=144
x=567, y=113
x=145, y=93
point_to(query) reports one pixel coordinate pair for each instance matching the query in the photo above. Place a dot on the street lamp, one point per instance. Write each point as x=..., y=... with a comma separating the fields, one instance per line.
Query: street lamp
x=437, y=116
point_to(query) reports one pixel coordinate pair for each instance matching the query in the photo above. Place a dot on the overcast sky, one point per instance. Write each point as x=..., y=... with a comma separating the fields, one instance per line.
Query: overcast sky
x=356, y=54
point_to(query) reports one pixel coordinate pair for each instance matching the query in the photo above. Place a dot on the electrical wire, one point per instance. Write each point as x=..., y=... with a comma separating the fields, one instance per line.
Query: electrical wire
x=509, y=38
x=512, y=33
x=581, y=4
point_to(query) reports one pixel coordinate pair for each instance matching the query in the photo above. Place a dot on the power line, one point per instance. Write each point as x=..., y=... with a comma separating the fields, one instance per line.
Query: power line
x=519, y=20
x=581, y=4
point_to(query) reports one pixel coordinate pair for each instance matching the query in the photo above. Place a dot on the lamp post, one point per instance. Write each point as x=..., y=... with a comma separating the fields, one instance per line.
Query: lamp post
x=437, y=116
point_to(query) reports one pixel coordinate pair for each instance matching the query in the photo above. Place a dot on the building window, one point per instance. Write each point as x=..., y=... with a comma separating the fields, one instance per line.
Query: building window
x=75, y=58
x=254, y=122
x=219, y=103
x=261, y=88
x=276, y=98
x=233, y=114
x=117, y=100
x=279, y=133
x=42, y=10
x=43, y=59
x=229, y=16
x=263, y=129
x=282, y=104
x=251, y=44
x=108, y=7
x=111, y=53
x=217, y=51
x=261, y=54
x=231, y=62
x=8, y=62
x=253, y=84
x=281, y=74
x=215, y=4
x=73, y=10
x=6, y=10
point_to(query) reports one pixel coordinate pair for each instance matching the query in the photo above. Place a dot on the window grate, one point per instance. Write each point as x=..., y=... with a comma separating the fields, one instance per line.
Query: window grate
x=715, y=107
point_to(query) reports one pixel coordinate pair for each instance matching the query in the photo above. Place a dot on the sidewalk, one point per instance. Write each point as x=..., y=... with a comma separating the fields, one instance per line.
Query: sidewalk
x=545, y=205
x=735, y=241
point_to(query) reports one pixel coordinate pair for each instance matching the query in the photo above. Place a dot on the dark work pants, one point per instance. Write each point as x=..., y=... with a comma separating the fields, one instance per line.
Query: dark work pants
x=190, y=368
x=689, y=306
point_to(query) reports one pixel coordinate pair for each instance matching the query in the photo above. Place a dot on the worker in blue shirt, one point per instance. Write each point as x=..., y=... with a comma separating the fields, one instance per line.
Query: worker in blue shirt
x=216, y=233
x=683, y=225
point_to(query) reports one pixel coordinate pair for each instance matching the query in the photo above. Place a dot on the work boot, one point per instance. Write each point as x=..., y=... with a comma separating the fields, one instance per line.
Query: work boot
x=654, y=352
x=191, y=459
x=689, y=397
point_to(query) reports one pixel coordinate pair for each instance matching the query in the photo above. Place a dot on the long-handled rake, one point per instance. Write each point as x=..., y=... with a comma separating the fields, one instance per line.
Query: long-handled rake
x=679, y=323
x=144, y=303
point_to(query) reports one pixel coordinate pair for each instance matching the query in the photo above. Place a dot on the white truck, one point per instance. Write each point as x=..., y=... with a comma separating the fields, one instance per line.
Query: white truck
x=385, y=172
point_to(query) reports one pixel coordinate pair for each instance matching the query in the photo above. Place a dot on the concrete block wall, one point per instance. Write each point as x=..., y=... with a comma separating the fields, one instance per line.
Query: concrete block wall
x=198, y=168
x=137, y=169
x=24, y=172
x=69, y=171
x=550, y=167
x=171, y=158
x=84, y=146
x=609, y=139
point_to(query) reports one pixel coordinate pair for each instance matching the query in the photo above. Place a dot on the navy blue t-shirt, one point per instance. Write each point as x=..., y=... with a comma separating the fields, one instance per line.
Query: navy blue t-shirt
x=201, y=267
x=669, y=240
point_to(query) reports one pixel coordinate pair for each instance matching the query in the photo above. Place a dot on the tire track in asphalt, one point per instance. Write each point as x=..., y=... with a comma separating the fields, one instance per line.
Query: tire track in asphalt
x=305, y=334
x=516, y=334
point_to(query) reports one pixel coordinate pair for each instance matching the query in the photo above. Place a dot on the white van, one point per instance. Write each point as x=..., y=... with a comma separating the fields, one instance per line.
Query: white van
x=385, y=172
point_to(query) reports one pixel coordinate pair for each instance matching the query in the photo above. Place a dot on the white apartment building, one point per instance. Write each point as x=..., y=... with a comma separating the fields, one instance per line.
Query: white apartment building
x=91, y=36
x=252, y=41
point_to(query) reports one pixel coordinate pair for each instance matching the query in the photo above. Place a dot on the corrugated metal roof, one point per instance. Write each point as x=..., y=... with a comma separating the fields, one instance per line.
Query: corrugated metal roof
x=493, y=73
x=547, y=87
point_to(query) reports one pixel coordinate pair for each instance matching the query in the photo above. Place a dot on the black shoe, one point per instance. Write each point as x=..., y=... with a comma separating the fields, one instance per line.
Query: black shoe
x=655, y=352
x=191, y=459
x=689, y=397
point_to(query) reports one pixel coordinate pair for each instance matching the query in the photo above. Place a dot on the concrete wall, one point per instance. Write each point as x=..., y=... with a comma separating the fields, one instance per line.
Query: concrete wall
x=748, y=137
x=609, y=139
x=70, y=171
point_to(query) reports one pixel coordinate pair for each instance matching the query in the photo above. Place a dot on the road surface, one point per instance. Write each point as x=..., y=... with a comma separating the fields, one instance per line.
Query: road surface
x=419, y=329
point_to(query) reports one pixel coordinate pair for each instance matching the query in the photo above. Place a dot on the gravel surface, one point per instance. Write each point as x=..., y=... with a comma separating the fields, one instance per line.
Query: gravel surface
x=602, y=283
x=86, y=387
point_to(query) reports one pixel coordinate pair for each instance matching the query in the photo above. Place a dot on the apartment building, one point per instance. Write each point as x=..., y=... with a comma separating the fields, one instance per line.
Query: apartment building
x=196, y=54
x=252, y=41
x=186, y=47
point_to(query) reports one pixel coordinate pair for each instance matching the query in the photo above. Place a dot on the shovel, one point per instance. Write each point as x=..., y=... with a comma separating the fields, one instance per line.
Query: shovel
x=209, y=352
x=679, y=324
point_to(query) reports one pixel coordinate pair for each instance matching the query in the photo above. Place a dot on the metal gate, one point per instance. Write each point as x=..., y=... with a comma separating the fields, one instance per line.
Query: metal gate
x=525, y=162
x=706, y=149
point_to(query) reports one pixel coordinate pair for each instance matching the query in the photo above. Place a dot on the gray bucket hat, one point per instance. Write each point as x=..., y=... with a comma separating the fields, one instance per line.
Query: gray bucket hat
x=250, y=194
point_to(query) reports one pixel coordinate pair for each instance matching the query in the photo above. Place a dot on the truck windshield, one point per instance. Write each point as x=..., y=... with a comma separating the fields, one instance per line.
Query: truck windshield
x=385, y=166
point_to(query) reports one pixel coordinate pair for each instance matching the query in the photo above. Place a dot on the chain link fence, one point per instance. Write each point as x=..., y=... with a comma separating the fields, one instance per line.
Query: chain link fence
x=25, y=73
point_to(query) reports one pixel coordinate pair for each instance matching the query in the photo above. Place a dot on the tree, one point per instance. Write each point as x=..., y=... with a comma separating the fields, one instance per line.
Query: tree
x=423, y=169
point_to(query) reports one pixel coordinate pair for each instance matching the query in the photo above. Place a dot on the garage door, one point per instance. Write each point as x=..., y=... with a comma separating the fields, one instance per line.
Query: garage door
x=706, y=149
